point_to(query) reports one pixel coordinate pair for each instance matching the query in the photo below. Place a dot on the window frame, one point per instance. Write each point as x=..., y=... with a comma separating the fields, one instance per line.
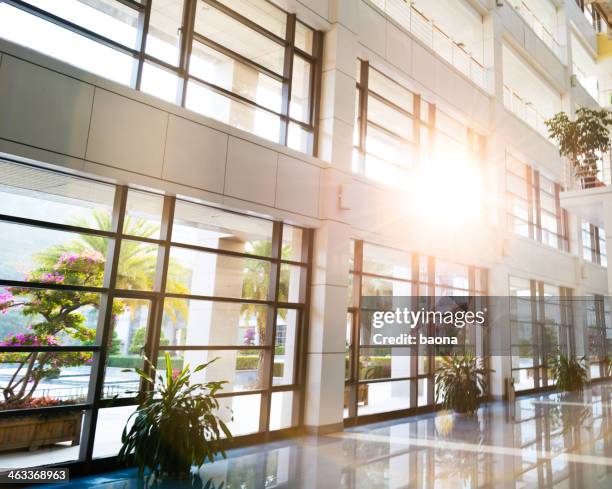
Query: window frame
x=109, y=291
x=187, y=36
x=419, y=354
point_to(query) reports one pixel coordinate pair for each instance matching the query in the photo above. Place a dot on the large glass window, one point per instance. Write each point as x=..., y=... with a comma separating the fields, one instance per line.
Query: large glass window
x=533, y=205
x=248, y=64
x=384, y=379
x=89, y=279
x=541, y=327
x=397, y=132
x=594, y=244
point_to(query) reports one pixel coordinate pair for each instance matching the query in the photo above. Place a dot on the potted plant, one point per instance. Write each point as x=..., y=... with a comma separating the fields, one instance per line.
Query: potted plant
x=460, y=383
x=55, y=319
x=176, y=424
x=569, y=373
x=583, y=141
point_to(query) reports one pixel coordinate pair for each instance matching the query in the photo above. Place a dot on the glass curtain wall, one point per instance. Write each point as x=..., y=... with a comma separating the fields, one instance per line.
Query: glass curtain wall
x=533, y=205
x=541, y=327
x=397, y=132
x=94, y=276
x=594, y=244
x=248, y=64
x=599, y=335
x=384, y=379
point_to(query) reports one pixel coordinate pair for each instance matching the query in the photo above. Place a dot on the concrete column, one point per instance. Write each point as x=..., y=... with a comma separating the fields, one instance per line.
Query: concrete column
x=339, y=86
x=328, y=309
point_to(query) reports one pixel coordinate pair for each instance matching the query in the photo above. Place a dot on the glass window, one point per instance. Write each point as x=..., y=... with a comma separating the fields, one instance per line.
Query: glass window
x=190, y=322
x=385, y=116
x=199, y=225
x=304, y=37
x=238, y=114
x=380, y=260
x=292, y=243
x=60, y=43
x=126, y=347
x=143, y=214
x=108, y=18
x=160, y=83
x=281, y=415
x=163, y=37
x=232, y=75
x=243, y=370
x=31, y=315
x=210, y=274
x=392, y=91
x=262, y=12
x=138, y=265
x=285, y=346
x=34, y=254
x=300, y=90
x=232, y=34
x=43, y=195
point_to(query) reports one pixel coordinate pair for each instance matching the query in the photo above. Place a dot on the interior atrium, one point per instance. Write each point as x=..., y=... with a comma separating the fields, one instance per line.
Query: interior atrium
x=246, y=183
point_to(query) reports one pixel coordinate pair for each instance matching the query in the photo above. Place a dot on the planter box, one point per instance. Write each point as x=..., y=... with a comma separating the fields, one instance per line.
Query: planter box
x=35, y=431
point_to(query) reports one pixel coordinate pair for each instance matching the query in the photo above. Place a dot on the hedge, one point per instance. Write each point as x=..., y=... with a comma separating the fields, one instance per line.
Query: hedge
x=243, y=362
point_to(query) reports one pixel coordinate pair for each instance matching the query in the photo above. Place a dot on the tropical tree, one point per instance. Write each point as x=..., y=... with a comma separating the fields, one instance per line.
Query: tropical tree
x=256, y=284
x=138, y=260
x=57, y=318
x=583, y=141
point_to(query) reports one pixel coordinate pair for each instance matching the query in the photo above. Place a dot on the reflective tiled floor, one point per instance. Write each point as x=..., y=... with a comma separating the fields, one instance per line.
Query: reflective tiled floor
x=545, y=441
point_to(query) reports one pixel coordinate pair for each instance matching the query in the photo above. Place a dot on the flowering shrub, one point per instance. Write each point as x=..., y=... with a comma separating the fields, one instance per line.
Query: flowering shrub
x=56, y=318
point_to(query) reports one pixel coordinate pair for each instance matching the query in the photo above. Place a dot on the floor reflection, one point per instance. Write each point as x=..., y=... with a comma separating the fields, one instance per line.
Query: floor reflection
x=546, y=441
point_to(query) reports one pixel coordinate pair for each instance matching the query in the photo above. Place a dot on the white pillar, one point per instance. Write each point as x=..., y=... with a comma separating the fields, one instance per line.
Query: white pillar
x=328, y=310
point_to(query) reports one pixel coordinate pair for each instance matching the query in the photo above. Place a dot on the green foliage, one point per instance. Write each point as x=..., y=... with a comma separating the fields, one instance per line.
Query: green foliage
x=583, y=140
x=175, y=425
x=56, y=316
x=568, y=373
x=460, y=382
x=128, y=361
x=138, y=340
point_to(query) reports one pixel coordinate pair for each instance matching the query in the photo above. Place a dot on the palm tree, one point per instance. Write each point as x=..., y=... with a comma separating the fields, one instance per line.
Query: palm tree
x=137, y=263
x=255, y=286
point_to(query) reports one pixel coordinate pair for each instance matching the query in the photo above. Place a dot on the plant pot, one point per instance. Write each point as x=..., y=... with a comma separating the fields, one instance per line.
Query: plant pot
x=34, y=431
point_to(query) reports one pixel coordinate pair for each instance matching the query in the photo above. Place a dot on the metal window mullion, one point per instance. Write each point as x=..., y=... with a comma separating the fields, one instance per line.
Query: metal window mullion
x=315, y=92
x=161, y=277
x=530, y=200
x=245, y=21
x=416, y=130
x=71, y=26
x=270, y=339
x=302, y=359
x=288, y=77
x=143, y=29
x=538, y=205
x=363, y=113
x=189, y=17
x=105, y=323
x=237, y=56
x=559, y=217
x=431, y=272
x=355, y=347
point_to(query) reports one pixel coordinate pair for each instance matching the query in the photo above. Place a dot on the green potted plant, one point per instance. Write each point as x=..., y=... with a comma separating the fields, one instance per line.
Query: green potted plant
x=460, y=383
x=176, y=424
x=569, y=373
x=583, y=141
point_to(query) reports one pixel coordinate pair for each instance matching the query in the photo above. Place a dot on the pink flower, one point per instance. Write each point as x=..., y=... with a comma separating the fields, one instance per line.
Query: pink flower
x=6, y=301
